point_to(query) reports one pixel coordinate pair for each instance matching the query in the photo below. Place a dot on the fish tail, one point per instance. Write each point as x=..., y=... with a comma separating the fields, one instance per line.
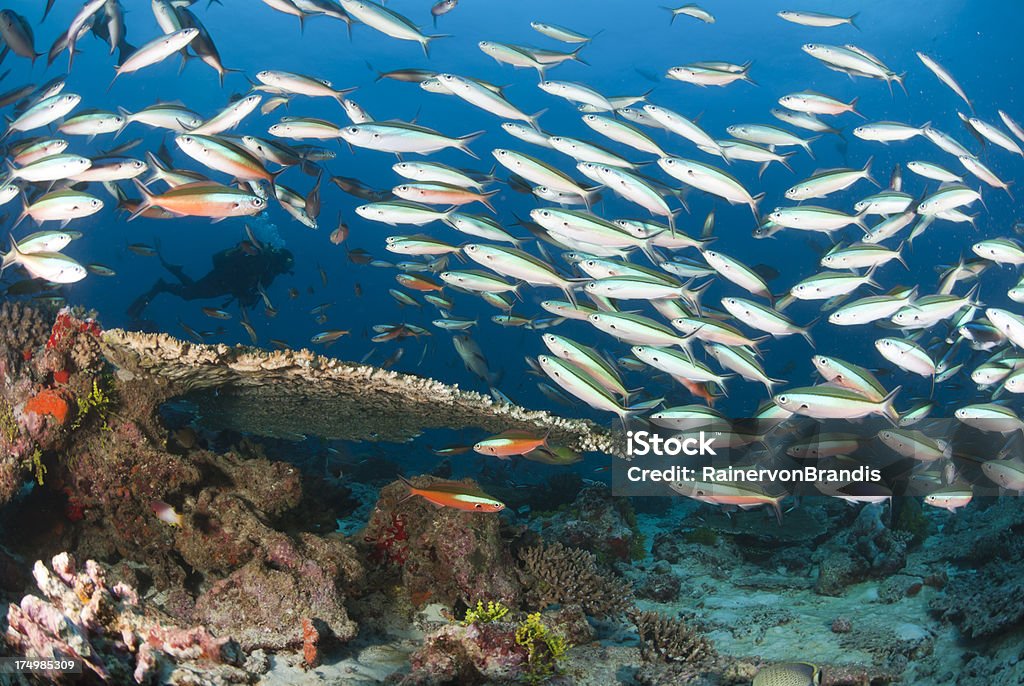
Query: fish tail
x=533, y=120
x=145, y=203
x=806, y=145
x=755, y=202
x=785, y=160
x=887, y=408
x=427, y=39
x=899, y=255
x=576, y=55
x=485, y=200
x=853, y=108
x=806, y=332
x=464, y=141
x=867, y=171
x=777, y=506
x=15, y=251
x=852, y=20
x=126, y=115
x=24, y=213
x=898, y=78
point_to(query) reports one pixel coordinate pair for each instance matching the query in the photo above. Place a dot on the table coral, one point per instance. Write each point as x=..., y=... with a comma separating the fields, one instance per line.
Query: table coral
x=291, y=392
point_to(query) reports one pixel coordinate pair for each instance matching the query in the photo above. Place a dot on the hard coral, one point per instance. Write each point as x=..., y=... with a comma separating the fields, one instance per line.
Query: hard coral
x=554, y=573
x=670, y=639
x=467, y=655
x=119, y=640
x=986, y=602
x=868, y=549
x=600, y=523
x=287, y=392
x=23, y=329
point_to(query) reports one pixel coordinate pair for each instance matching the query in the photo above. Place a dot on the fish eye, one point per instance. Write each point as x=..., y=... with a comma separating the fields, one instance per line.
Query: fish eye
x=353, y=129
x=783, y=399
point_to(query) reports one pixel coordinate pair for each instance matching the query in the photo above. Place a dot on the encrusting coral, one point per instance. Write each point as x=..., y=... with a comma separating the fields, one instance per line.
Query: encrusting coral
x=118, y=639
x=554, y=573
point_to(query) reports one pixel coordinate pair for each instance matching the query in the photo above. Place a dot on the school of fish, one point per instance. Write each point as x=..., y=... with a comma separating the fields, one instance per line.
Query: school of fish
x=610, y=246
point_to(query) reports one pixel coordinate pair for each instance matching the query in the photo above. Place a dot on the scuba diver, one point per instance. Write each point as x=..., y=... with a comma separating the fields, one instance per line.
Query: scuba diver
x=238, y=273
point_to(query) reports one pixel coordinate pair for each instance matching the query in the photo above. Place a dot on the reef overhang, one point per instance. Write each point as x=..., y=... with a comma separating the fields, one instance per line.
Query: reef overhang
x=289, y=393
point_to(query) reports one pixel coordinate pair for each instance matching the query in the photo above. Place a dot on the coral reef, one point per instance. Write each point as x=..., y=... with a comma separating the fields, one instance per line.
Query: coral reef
x=553, y=573
x=599, y=523
x=439, y=554
x=985, y=551
x=118, y=639
x=985, y=602
x=290, y=392
x=528, y=650
x=661, y=584
x=234, y=553
x=266, y=602
x=471, y=654
x=670, y=639
x=867, y=549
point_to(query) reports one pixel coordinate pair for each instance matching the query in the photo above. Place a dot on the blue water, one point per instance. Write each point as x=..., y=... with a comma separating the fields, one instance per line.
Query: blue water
x=977, y=42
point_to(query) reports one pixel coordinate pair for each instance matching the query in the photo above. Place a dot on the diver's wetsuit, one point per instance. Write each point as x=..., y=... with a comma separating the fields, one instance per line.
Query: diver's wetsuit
x=236, y=274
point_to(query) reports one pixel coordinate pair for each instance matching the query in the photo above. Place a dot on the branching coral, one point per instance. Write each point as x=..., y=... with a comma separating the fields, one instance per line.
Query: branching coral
x=670, y=639
x=23, y=330
x=554, y=573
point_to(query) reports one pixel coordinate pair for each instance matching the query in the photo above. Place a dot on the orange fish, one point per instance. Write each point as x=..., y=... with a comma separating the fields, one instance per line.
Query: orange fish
x=455, y=494
x=418, y=283
x=700, y=390
x=509, y=443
